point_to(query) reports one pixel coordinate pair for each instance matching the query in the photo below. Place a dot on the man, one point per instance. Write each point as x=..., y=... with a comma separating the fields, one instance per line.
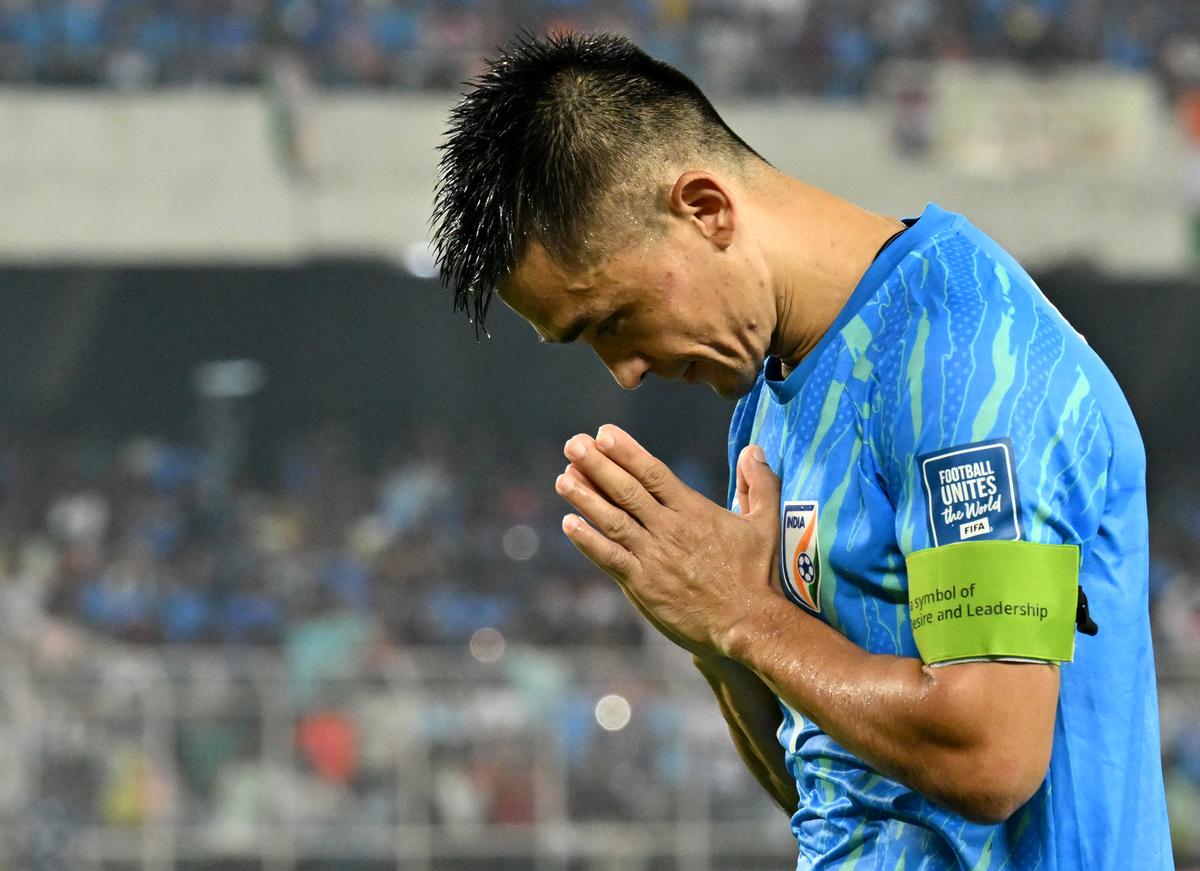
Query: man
x=928, y=470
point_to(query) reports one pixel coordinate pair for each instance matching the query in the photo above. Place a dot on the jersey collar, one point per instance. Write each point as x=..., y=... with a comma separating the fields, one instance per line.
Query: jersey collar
x=933, y=219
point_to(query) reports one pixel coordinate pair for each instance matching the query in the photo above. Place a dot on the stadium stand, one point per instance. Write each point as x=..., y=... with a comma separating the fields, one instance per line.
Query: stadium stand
x=763, y=47
x=363, y=653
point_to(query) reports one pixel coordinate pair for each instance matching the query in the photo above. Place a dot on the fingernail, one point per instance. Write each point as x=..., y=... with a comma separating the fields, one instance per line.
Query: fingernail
x=569, y=523
x=605, y=440
x=564, y=484
x=574, y=448
x=756, y=453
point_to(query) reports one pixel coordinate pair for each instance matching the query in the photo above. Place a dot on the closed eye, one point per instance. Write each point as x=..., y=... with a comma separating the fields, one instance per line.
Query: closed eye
x=610, y=324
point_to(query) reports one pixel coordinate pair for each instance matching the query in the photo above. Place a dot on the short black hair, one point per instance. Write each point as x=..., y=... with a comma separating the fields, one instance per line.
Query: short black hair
x=552, y=125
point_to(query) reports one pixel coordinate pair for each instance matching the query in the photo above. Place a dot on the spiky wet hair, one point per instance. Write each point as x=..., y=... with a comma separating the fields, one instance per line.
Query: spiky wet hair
x=554, y=131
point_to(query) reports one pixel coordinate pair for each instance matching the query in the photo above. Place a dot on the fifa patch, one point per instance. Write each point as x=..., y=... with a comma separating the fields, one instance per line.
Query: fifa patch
x=971, y=492
x=801, y=558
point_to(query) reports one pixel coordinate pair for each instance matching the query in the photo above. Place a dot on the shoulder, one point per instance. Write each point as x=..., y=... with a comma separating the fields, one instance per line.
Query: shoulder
x=960, y=303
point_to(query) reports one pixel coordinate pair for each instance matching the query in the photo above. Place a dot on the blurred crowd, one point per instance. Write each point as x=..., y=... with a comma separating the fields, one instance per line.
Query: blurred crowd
x=301, y=605
x=147, y=542
x=825, y=47
x=1175, y=619
x=342, y=573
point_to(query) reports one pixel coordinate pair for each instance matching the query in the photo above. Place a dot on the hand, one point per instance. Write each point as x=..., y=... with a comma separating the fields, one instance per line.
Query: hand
x=693, y=569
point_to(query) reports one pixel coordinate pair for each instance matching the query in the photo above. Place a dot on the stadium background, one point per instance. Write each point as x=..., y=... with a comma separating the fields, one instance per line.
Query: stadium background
x=281, y=582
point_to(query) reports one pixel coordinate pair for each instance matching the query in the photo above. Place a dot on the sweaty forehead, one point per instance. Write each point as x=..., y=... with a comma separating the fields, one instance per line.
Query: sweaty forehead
x=541, y=291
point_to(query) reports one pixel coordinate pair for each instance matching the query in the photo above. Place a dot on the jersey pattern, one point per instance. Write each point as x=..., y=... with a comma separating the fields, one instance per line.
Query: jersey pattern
x=947, y=350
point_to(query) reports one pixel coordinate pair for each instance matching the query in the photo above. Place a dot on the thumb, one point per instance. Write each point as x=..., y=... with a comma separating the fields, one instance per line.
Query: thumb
x=757, y=485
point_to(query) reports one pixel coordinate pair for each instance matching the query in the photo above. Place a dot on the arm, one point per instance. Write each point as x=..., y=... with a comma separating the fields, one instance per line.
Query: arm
x=974, y=737
x=749, y=707
x=747, y=704
x=752, y=714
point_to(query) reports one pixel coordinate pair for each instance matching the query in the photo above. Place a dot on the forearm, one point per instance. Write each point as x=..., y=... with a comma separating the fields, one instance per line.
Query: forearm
x=975, y=737
x=949, y=738
x=753, y=716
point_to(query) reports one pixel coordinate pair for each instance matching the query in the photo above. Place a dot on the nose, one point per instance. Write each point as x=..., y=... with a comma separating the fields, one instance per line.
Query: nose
x=629, y=371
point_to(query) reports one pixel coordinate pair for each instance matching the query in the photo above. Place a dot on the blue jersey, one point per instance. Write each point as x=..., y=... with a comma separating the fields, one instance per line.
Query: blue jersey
x=950, y=401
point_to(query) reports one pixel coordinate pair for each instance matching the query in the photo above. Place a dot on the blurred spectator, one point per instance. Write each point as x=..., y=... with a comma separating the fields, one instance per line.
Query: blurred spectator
x=324, y=559
x=821, y=47
x=336, y=569
x=329, y=744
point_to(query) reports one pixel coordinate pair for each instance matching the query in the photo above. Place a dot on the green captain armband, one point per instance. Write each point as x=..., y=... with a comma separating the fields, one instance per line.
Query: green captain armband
x=994, y=598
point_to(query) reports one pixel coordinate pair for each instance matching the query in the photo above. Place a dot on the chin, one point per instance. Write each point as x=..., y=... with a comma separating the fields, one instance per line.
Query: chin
x=735, y=386
x=736, y=391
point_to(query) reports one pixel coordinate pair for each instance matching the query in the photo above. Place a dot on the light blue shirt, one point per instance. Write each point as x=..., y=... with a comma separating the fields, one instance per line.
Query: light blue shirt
x=950, y=401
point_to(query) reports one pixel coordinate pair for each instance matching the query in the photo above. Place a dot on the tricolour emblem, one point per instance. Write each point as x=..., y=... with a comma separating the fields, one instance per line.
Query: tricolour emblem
x=801, y=558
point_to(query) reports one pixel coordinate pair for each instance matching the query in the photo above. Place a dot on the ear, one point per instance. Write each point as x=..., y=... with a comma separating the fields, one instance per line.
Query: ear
x=702, y=198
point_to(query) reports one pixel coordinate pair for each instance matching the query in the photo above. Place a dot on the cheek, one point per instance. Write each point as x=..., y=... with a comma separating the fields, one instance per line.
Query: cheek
x=668, y=287
x=682, y=300
x=674, y=312
x=662, y=306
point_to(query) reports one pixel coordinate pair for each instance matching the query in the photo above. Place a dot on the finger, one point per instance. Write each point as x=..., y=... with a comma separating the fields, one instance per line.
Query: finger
x=608, y=555
x=741, y=497
x=610, y=480
x=623, y=584
x=612, y=521
x=653, y=474
x=625, y=587
x=572, y=471
x=621, y=581
x=757, y=485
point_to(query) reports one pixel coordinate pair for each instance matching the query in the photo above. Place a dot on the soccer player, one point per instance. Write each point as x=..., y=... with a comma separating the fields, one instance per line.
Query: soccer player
x=930, y=469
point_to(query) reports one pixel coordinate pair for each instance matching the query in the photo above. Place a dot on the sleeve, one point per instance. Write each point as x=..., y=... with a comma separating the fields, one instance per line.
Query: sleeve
x=995, y=454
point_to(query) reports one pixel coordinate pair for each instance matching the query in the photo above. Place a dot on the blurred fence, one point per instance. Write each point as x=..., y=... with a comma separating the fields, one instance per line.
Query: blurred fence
x=371, y=733
x=128, y=758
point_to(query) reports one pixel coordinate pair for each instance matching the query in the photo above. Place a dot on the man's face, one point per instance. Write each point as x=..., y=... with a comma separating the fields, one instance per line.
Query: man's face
x=676, y=308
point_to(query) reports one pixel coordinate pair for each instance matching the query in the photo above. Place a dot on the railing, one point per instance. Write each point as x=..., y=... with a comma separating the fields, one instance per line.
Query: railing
x=430, y=759
x=421, y=759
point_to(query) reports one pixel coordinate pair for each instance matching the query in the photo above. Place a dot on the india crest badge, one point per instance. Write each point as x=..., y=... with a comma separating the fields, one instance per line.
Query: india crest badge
x=801, y=559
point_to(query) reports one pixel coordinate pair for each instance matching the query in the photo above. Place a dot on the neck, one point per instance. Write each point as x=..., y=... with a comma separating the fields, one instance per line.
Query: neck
x=817, y=248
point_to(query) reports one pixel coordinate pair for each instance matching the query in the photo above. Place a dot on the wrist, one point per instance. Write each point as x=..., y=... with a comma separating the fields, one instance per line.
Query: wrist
x=747, y=633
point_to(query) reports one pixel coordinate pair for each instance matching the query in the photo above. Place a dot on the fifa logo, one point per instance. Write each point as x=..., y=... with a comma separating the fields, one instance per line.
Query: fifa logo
x=801, y=559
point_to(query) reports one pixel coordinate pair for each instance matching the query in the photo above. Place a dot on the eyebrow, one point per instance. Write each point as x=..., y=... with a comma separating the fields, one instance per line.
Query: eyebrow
x=570, y=334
